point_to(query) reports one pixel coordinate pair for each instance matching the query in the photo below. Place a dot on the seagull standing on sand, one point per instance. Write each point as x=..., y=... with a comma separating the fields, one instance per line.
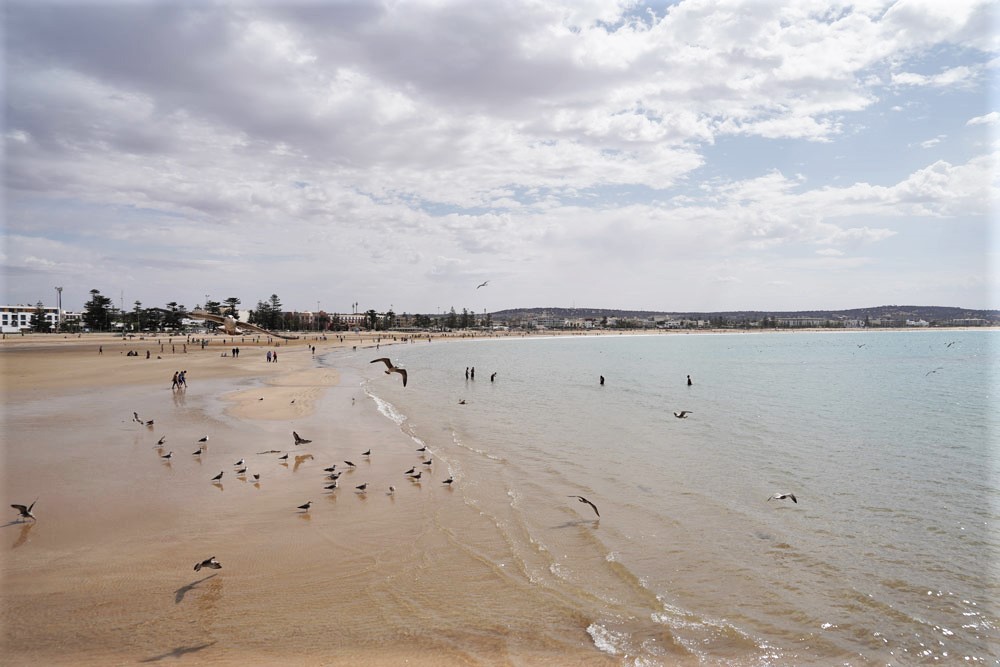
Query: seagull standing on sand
x=448, y=481
x=209, y=562
x=239, y=463
x=362, y=487
x=283, y=458
x=167, y=455
x=584, y=500
x=683, y=414
x=390, y=368
x=25, y=511
x=305, y=508
x=218, y=478
x=159, y=443
x=197, y=453
x=204, y=438
x=782, y=496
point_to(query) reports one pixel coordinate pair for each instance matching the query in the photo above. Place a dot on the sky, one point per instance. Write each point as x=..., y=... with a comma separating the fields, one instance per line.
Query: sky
x=669, y=156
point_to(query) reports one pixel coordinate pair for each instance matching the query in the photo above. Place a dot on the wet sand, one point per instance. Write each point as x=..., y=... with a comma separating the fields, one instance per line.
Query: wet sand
x=105, y=576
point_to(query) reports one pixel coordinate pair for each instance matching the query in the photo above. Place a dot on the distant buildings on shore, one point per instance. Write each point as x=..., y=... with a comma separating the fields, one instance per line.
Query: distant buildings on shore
x=23, y=318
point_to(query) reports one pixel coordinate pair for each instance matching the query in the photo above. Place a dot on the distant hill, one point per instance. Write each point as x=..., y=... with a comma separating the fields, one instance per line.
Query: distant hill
x=898, y=313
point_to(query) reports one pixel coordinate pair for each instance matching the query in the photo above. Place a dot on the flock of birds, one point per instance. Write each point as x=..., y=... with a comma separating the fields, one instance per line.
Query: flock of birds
x=331, y=483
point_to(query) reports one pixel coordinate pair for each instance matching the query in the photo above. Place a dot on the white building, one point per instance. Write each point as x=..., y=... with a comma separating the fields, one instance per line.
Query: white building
x=14, y=319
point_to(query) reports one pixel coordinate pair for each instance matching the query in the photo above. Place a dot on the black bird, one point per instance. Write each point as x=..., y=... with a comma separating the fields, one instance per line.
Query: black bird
x=584, y=500
x=333, y=476
x=782, y=496
x=203, y=439
x=159, y=443
x=135, y=417
x=331, y=487
x=390, y=368
x=415, y=475
x=483, y=284
x=256, y=477
x=367, y=452
x=197, y=453
x=241, y=471
x=239, y=463
x=391, y=491
x=26, y=511
x=299, y=440
x=411, y=471
x=449, y=480
x=422, y=449
x=149, y=423
x=350, y=464
x=167, y=455
x=305, y=508
x=331, y=468
x=218, y=477
x=362, y=487
x=208, y=562
x=682, y=414
x=428, y=462
x=283, y=458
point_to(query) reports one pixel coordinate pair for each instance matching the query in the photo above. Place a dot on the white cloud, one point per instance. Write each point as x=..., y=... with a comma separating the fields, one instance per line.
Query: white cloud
x=992, y=118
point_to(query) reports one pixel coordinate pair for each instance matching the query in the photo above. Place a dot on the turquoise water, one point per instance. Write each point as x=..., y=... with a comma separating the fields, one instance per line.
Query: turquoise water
x=887, y=439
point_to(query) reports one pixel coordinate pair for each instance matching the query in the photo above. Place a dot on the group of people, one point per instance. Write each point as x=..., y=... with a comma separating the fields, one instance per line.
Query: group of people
x=272, y=356
x=180, y=380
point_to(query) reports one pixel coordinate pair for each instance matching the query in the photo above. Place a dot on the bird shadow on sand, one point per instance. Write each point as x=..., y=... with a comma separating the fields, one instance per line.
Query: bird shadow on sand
x=14, y=523
x=179, y=651
x=184, y=590
x=579, y=522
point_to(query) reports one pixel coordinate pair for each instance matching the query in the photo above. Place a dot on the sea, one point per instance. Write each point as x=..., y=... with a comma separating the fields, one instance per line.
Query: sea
x=890, y=554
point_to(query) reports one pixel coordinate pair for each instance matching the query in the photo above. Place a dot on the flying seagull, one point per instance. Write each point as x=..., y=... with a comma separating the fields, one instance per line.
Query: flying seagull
x=782, y=496
x=683, y=414
x=584, y=500
x=299, y=440
x=26, y=511
x=483, y=284
x=390, y=368
x=208, y=562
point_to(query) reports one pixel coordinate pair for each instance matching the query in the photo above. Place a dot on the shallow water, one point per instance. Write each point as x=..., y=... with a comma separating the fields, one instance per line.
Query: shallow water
x=887, y=439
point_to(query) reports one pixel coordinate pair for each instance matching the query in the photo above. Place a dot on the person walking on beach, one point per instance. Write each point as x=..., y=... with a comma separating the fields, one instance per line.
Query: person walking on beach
x=274, y=357
x=173, y=385
x=689, y=381
x=100, y=350
x=269, y=356
x=473, y=372
x=182, y=379
x=602, y=380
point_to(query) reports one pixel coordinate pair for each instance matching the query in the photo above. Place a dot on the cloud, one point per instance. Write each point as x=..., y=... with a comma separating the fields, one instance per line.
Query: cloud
x=992, y=118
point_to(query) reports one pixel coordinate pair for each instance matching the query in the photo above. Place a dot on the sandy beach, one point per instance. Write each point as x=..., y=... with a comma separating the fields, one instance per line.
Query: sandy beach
x=105, y=575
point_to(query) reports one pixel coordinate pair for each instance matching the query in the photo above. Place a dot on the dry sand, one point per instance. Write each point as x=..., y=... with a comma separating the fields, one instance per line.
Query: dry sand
x=105, y=575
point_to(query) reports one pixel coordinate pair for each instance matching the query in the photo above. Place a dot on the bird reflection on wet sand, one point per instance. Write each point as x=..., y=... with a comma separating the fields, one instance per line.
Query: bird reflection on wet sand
x=184, y=590
x=178, y=652
x=23, y=536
